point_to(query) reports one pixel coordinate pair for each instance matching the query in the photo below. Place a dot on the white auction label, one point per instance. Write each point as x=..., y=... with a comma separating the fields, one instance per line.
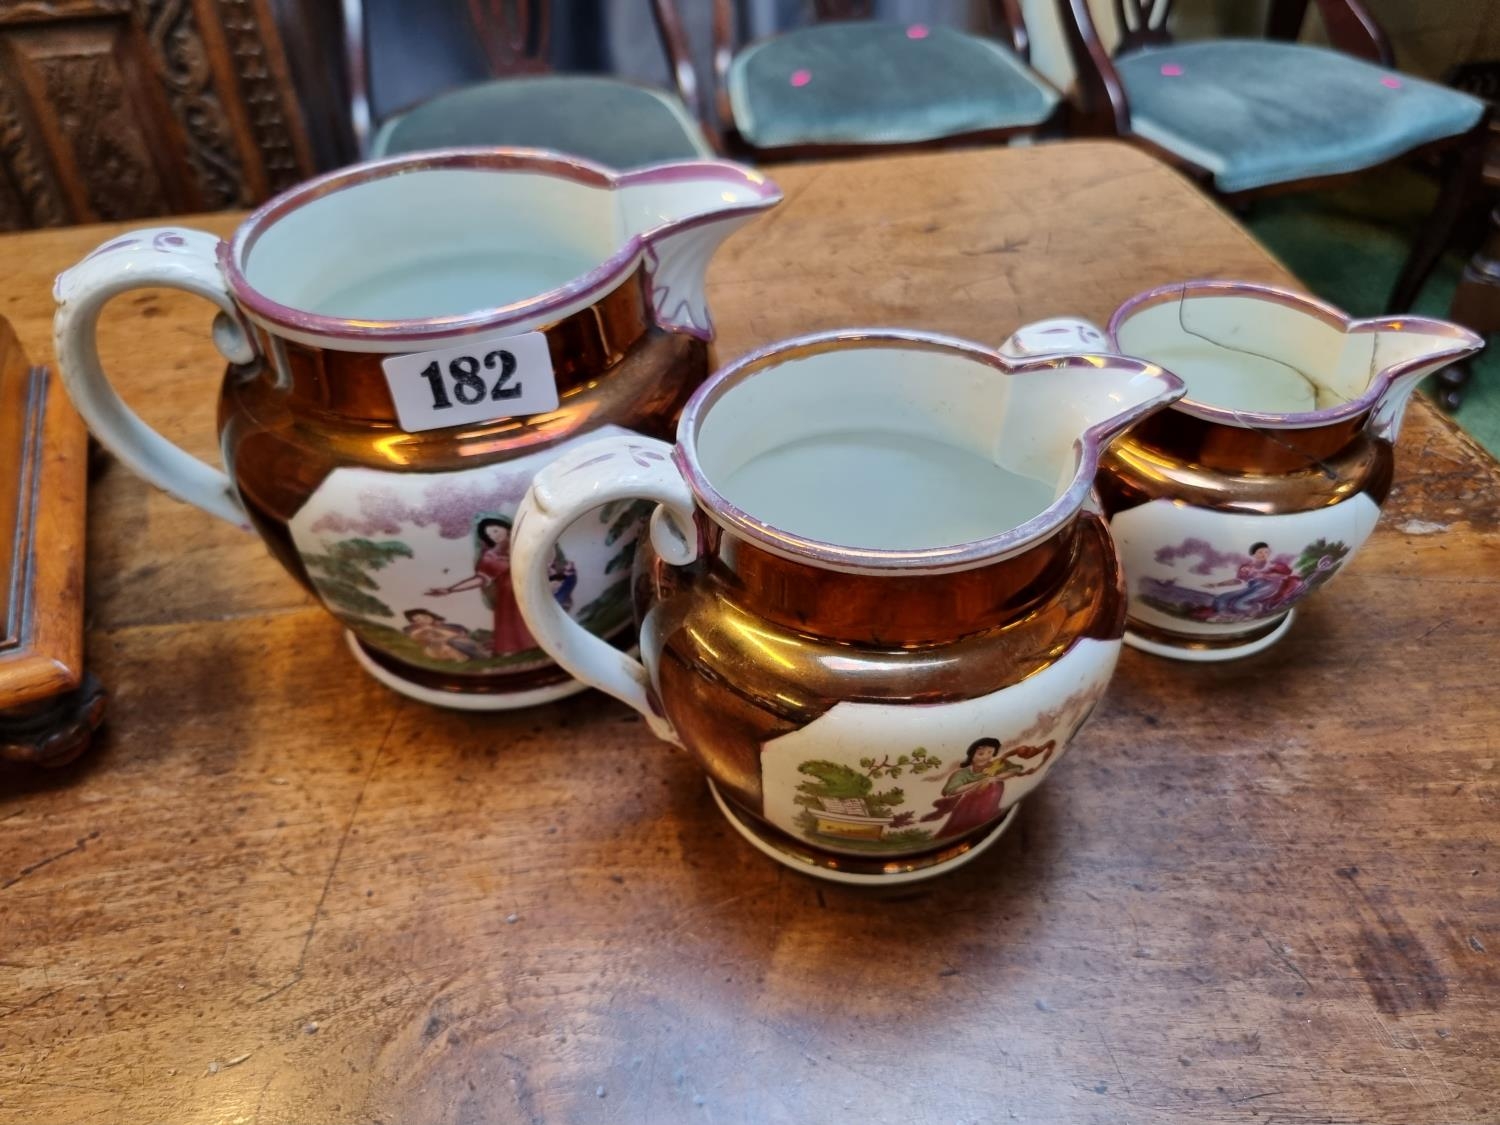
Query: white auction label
x=479, y=381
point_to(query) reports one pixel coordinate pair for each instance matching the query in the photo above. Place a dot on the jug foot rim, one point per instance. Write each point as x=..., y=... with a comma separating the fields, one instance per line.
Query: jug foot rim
x=817, y=864
x=457, y=701
x=1203, y=654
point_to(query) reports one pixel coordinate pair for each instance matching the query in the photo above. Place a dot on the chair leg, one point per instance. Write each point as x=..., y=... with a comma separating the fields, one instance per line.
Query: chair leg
x=1476, y=305
x=1462, y=178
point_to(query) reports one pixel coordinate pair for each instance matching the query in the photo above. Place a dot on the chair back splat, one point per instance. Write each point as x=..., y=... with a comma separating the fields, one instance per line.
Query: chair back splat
x=1142, y=22
x=517, y=73
x=515, y=34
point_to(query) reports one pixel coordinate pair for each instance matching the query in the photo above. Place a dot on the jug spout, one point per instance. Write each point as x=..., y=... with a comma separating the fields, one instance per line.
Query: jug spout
x=682, y=212
x=1406, y=351
x=1069, y=392
x=1063, y=399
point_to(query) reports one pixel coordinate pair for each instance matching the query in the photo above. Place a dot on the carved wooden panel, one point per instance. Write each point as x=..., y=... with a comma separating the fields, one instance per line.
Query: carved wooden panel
x=123, y=109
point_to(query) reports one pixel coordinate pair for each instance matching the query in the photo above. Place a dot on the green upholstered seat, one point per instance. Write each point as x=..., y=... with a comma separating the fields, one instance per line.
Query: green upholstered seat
x=1255, y=113
x=615, y=123
x=864, y=82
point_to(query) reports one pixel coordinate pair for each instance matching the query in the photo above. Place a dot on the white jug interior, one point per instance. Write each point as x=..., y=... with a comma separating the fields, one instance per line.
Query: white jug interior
x=433, y=242
x=1249, y=353
x=898, y=448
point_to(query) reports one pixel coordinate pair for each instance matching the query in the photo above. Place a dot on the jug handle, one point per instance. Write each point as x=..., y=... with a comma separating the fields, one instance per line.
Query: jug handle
x=158, y=257
x=1067, y=334
x=611, y=469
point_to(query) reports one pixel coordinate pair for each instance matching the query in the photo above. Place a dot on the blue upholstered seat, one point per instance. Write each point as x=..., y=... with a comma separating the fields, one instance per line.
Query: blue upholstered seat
x=863, y=82
x=615, y=123
x=1255, y=113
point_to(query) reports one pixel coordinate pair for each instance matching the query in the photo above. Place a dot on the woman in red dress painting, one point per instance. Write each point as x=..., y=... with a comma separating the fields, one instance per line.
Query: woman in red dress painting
x=1267, y=585
x=491, y=578
x=973, y=789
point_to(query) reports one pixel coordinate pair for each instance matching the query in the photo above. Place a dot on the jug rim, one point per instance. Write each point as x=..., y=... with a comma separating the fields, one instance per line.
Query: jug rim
x=921, y=560
x=234, y=252
x=1465, y=343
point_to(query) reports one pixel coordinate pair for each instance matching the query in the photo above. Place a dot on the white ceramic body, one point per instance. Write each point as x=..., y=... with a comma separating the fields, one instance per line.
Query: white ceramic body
x=1195, y=573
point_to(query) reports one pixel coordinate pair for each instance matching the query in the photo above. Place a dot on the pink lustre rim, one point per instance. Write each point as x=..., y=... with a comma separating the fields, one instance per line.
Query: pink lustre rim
x=926, y=560
x=234, y=254
x=1464, y=343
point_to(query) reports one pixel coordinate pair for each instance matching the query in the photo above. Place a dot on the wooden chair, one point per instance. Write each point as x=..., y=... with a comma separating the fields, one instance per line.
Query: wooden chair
x=1476, y=300
x=849, y=84
x=1250, y=118
x=478, y=72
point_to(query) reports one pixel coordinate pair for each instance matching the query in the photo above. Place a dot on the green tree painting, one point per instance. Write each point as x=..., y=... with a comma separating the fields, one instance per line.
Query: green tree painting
x=1311, y=562
x=833, y=781
x=837, y=782
x=835, y=786
x=342, y=575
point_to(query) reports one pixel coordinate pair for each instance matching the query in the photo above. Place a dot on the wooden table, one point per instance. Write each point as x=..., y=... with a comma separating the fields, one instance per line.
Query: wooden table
x=1263, y=892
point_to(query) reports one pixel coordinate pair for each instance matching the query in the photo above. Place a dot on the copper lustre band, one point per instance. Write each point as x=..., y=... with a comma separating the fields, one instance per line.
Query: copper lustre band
x=353, y=385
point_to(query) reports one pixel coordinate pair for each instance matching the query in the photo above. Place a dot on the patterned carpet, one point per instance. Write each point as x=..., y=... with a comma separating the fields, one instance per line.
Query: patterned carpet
x=1347, y=247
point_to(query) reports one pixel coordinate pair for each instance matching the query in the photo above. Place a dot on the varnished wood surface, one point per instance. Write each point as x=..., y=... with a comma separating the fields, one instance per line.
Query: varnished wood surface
x=43, y=467
x=1260, y=892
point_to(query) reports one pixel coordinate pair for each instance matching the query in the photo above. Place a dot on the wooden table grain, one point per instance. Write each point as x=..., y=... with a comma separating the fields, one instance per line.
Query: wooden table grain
x=1267, y=891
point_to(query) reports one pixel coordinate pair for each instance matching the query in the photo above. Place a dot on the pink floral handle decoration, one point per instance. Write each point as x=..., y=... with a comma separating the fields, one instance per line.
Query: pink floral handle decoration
x=1059, y=334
